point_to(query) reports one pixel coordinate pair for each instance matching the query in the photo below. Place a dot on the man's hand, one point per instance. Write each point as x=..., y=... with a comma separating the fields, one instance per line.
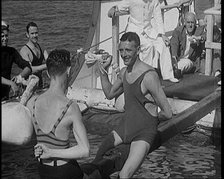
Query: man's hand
x=41, y=151
x=104, y=65
x=111, y=12
x=15, y=88
x=195, y=39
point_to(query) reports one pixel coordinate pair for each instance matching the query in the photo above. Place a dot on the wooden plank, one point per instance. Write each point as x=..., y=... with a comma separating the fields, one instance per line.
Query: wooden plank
x=121, y=13
x=213, y=45
x=177, y=4
x=213, y=11
x=189, y=116
x=166, y=131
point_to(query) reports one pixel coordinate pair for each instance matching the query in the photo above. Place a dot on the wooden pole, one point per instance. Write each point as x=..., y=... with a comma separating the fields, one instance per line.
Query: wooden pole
x=208, y=58
x=96, y=40
x=115, y=40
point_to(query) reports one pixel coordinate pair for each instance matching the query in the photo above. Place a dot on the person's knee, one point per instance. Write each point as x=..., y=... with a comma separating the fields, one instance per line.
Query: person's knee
x=126, y=173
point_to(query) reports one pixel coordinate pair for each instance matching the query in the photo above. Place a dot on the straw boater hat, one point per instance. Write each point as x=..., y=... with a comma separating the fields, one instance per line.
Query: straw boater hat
x=5, y=26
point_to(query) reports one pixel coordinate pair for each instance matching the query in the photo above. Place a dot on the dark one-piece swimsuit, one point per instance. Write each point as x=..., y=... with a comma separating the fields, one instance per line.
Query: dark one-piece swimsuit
x=36, y=62
x=138, y=123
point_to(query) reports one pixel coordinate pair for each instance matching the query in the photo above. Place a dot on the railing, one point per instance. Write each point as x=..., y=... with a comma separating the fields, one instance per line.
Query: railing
x=209, y=44
x=182, y=6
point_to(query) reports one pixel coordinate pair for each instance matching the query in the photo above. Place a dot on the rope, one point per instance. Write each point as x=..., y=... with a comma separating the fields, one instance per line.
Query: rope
x=87, y=49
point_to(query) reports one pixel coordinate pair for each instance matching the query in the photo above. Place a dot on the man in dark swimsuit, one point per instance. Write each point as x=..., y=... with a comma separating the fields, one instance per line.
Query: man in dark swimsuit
x=143, y=95
x=33, y=53
x=9, y=55
x=54, y=116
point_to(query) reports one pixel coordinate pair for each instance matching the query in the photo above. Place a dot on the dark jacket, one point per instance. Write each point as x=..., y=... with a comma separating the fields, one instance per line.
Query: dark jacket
x=9, y=55
x=178, y=43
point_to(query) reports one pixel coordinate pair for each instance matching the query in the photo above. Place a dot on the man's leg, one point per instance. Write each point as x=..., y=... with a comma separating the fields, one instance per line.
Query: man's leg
x=138, y=151
x=110, y=141
x=165, y=62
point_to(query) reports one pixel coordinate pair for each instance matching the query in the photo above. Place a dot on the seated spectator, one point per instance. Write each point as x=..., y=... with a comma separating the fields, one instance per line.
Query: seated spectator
x=187, y=44
x=33, y=53
x=9, y=55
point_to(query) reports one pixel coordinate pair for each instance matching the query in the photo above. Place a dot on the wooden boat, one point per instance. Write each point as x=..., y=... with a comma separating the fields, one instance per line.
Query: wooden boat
x=201, y=109
x=85, y=85
x=104, y=34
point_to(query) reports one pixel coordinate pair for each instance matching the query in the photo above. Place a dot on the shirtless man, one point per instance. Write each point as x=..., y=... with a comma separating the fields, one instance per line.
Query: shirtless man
x=33, y=53
x=143, y=95
x=54, y=116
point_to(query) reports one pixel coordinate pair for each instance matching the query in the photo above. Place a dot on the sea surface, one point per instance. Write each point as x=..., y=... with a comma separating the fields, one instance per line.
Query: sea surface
x=65, y=24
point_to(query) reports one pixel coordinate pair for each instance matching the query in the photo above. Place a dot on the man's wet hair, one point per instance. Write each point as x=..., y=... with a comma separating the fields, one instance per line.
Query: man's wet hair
x=30, y=24
x=58, y=61
x=131, y=36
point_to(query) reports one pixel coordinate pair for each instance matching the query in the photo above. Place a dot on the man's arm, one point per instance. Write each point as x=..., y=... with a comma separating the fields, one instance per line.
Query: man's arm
x=110, y=90
x=45, y=55
x=121, y=6
x=152, y=84
x=12, y=84
x=23, y=64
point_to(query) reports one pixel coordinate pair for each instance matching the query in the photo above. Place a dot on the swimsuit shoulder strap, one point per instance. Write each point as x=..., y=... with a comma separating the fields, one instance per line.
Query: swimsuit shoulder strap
x=30, y=49
x=34, y=118
x=62, y=115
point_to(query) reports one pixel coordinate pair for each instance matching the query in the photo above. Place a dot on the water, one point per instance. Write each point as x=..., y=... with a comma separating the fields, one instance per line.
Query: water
x=64, y=24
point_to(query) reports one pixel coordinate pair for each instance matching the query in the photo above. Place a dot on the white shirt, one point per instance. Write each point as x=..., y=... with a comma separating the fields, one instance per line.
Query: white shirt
x=144, y=13
x=188, y=43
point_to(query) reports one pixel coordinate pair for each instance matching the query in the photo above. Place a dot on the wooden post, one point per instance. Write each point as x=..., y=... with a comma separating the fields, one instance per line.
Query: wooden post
x=115, y=40
x=208, y=58
x=96, y=40
x=209, y=45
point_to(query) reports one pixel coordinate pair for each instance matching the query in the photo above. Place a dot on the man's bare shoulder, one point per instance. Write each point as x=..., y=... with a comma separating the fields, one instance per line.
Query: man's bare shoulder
x=24, y=49
x=74, y=108
x=151, y=76
x=25, y=52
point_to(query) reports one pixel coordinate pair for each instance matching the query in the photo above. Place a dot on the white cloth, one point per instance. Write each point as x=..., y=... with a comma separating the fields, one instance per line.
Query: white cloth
x=146, y=20
x=185, y=65
x=17, y=127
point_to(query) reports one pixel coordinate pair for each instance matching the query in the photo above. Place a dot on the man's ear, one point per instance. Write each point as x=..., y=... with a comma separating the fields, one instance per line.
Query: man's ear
x=138, y=49
x=27, y=35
